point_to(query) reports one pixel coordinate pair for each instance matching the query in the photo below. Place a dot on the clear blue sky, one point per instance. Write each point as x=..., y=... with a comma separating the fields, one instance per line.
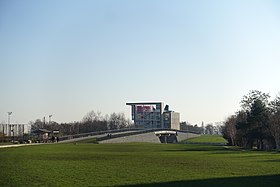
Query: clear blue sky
x=66, y=58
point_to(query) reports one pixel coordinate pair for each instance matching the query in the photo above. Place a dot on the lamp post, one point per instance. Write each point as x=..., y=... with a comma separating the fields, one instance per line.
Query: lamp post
x=50, y=116
x=9, y=118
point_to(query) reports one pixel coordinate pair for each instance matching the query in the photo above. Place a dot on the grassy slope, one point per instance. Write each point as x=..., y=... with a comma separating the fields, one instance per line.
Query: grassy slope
x=207, y=139
x=136, y=164
x=91, y=140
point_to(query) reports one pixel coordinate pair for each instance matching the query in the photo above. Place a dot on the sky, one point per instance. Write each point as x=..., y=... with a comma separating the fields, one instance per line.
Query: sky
x=65, y=58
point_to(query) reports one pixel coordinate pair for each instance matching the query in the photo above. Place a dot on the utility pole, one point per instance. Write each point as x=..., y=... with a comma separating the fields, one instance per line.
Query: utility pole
x=9, y=118
x=50, y=116
x=78, y=127
x=44, y=122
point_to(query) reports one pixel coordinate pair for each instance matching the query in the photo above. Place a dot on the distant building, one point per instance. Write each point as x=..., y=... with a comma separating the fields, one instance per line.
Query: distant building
x=171, y=120
x=13, y=129
x=152, y=115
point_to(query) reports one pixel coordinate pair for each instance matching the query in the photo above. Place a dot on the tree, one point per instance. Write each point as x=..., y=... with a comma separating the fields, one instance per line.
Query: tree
x=92, y=116
x=218, y=127
x=229, y=129
x=209, y=129
x=274, y=128
x=258, y=122
x=253, y=95
x=255, y=127
x=274, y=121
x=242, y=130
x=192, y=128
x=93, y=122
x=38, y=124
x=118, y=121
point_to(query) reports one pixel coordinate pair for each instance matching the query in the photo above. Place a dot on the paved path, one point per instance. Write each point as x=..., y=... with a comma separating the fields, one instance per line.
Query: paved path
x=145, y=137
x=90, y=137
x=19, y=145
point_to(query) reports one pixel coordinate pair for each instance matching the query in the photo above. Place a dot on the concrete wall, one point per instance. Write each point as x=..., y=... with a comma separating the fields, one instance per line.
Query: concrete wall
x=147, y=137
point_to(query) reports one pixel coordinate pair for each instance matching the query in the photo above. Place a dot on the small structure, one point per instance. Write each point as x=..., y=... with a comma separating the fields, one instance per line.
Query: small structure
x=42, y=134
x=167, y=136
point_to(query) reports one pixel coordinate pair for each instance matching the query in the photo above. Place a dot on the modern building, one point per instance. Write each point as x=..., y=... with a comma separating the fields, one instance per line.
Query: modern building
x=152, y=115
x=171, y=120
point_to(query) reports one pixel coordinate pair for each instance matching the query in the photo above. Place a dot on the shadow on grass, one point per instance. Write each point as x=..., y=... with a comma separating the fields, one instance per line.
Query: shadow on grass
x=202, y=148
x=254, y=181
x=219, y=149
x=274, y=160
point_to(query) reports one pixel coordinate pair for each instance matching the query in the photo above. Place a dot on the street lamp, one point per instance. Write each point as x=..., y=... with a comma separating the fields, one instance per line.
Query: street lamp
x=9, y=116
x=50, y=116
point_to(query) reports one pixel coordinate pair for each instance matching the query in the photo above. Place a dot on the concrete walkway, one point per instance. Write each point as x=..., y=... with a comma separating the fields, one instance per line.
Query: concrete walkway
x=20, y=145
x=90, y=137
x=145, y=137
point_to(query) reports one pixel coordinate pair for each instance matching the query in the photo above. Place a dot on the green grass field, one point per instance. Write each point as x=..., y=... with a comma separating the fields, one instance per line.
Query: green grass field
x=207, y=139
x=6, y=143
x=137, y=164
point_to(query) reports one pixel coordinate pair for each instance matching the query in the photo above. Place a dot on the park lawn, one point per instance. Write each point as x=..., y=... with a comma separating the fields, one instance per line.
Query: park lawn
x=207, y=139
x=91, y=140
x=137, y=164
x=5, y=143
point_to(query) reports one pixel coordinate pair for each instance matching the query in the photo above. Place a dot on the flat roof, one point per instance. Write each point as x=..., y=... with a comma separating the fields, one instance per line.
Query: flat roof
x=144, y=103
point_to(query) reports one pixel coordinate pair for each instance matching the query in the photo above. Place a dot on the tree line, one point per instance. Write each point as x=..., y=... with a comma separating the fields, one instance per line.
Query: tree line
x=256, y=124
x=210, y=128
x=91, y=122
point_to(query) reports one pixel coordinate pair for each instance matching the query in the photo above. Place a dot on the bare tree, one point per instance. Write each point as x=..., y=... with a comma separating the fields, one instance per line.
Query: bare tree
x=92, y=116
x=248, y=101
x=209, y=129
x=118, y=121
x=274, y=128
x=229, y=130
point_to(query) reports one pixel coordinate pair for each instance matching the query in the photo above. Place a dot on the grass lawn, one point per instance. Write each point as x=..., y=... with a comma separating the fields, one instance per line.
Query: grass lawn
x=207, y=139
x=6, y=143
x=137, y=164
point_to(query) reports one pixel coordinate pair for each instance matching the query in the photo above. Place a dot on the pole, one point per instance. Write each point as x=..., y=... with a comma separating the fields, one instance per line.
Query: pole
x=50, y=116
x=22, y=132
x=187, y=131
x=9, y=116
x=9, y=124
x=13, y=133
x=44, y=123
x=78, y=127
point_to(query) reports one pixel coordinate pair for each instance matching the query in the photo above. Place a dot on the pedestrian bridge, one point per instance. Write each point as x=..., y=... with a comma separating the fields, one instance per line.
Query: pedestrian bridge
x=133, y=135
x=152, y=136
